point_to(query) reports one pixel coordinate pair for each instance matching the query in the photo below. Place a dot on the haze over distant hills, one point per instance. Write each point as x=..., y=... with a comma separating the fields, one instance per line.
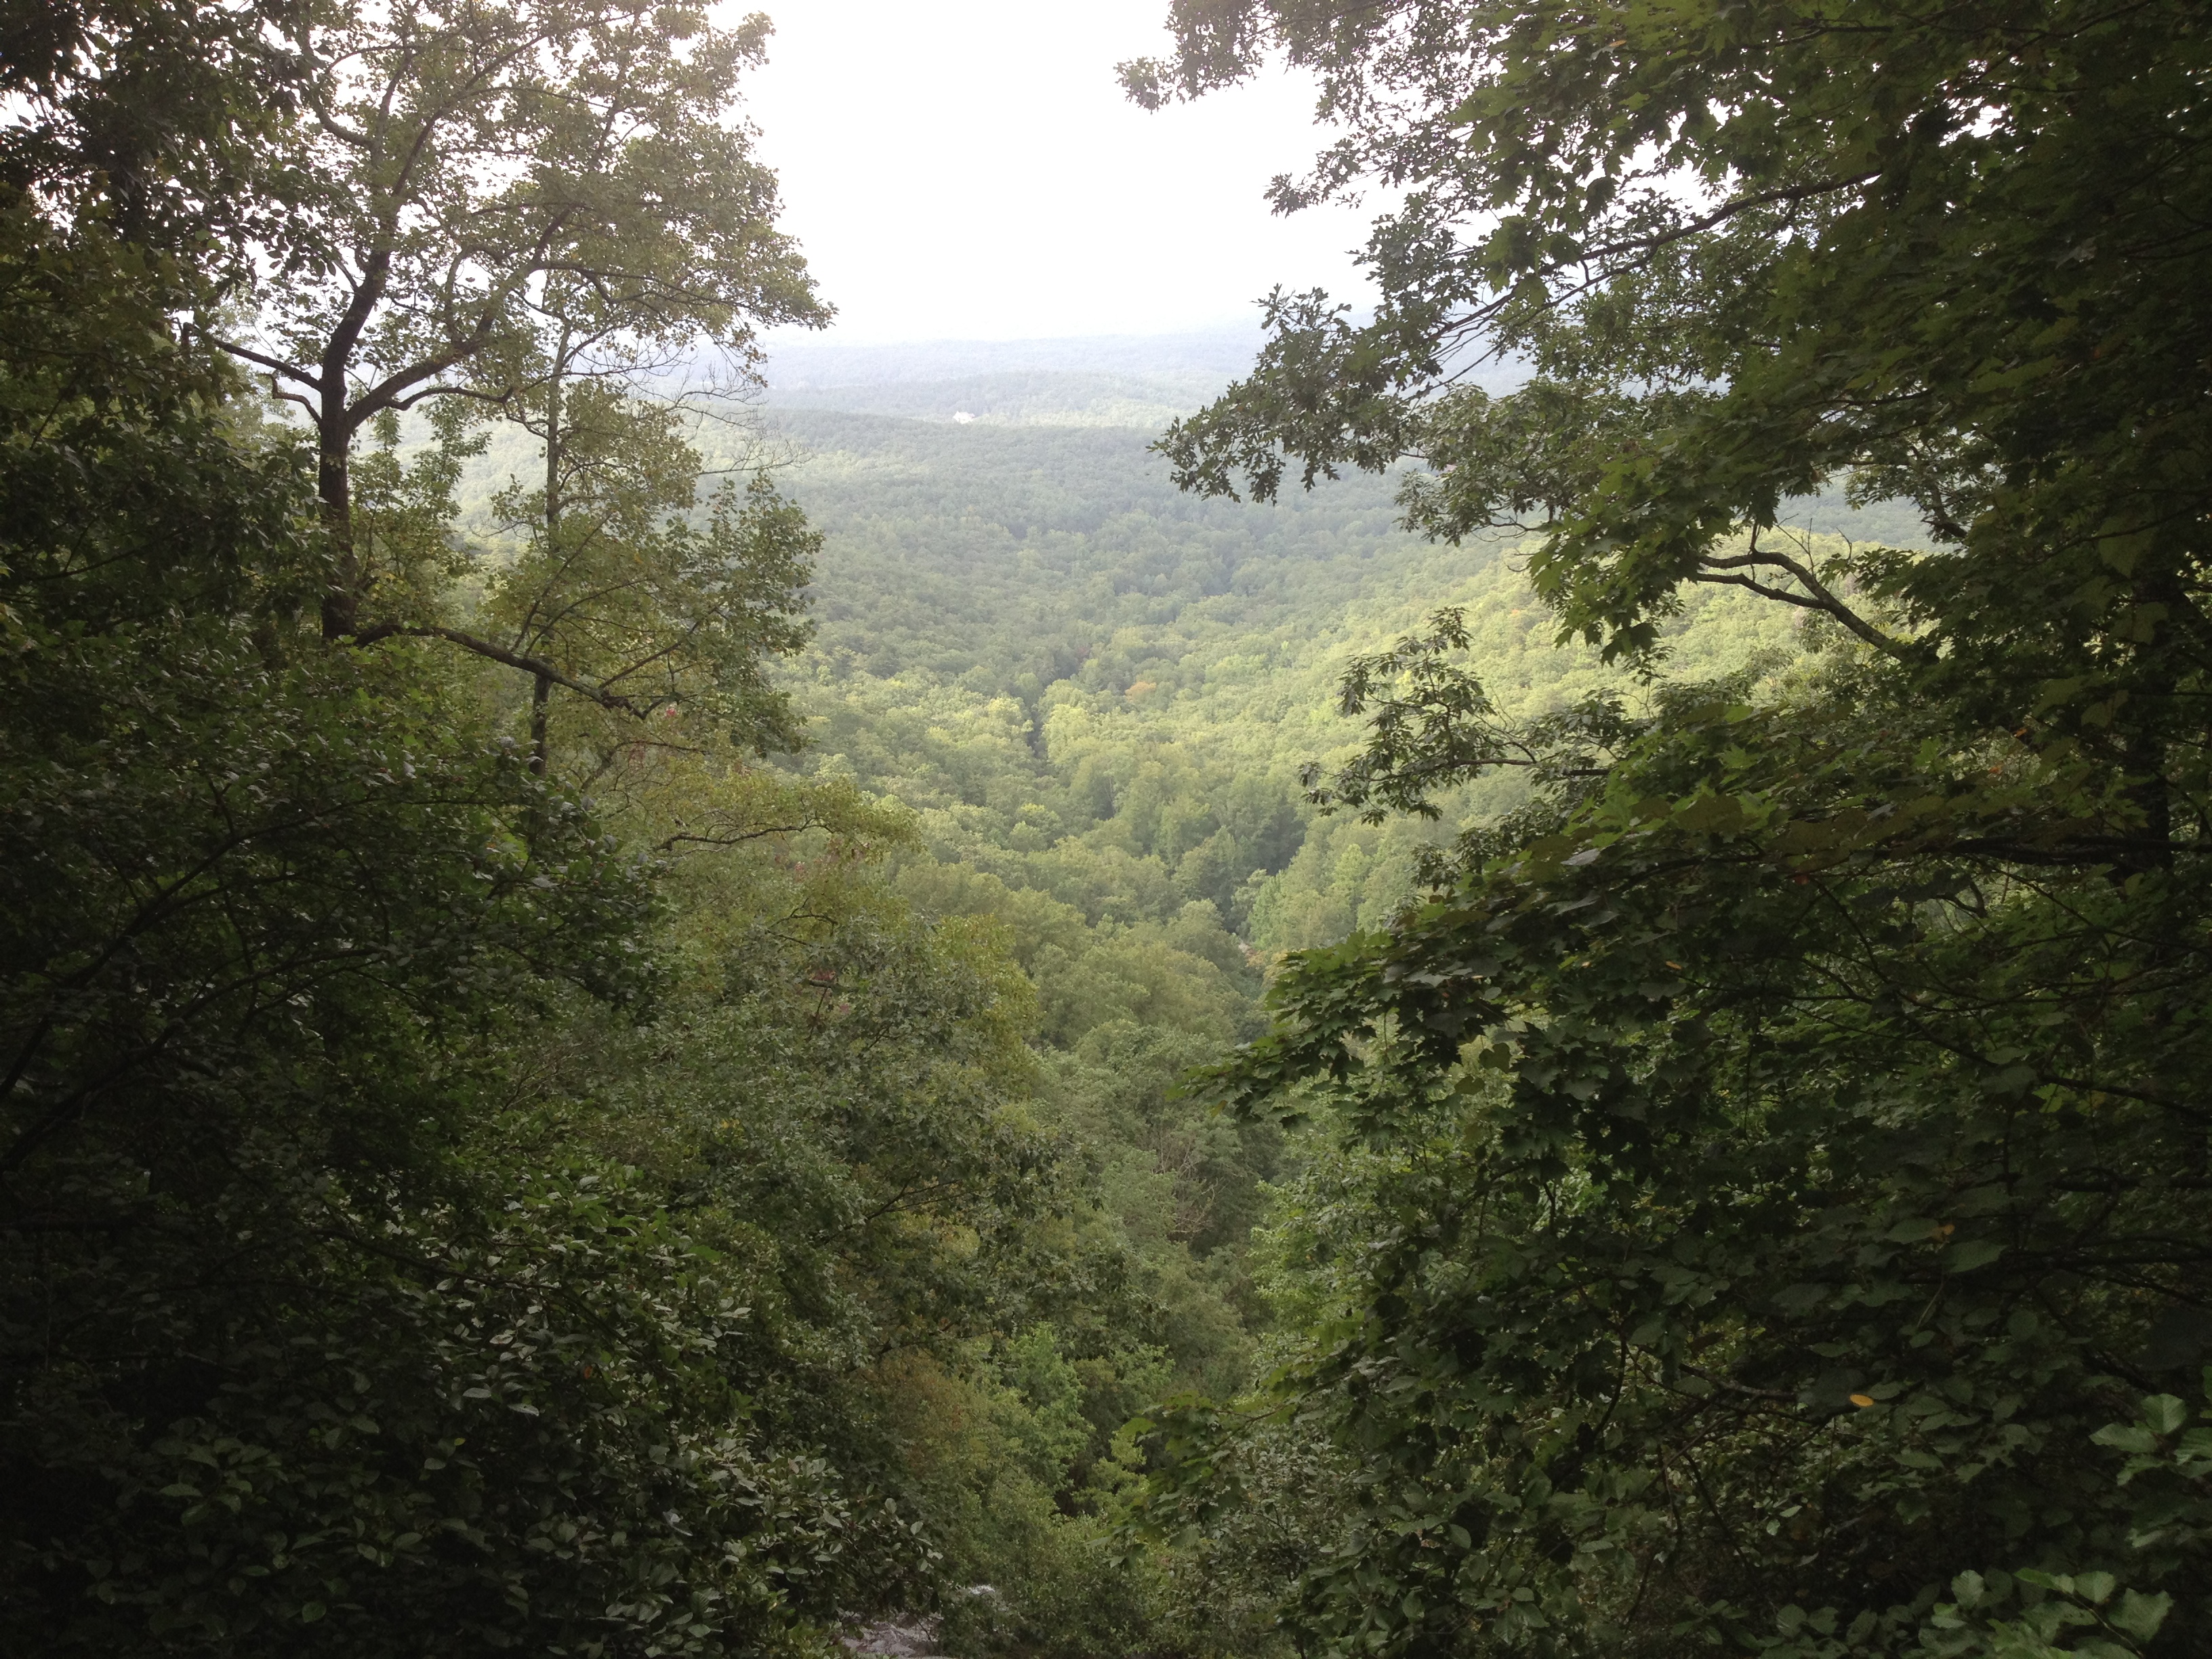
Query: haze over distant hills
x=1218, y=355
x=1139, y=382
x=1126, y=381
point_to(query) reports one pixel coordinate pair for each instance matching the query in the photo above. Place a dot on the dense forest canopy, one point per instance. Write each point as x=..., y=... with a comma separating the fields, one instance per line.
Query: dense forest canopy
x=664, y=998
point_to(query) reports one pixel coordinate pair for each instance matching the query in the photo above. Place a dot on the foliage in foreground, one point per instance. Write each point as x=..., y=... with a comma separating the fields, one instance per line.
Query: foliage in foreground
x=1770, y=1205
x=1754, y=1197
x=468, y=1182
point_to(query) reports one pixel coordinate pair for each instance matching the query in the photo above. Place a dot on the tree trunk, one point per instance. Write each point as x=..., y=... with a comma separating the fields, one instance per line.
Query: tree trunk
x=334, y=486
x=541, y=695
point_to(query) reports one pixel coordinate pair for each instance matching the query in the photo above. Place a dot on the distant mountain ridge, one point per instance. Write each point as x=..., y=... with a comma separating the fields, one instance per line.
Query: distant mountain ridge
x=1132, y=381
x=1015, y=398
x=1213, y=355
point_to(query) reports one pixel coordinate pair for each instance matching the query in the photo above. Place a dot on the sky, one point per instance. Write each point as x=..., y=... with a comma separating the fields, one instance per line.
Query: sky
x=969, y=169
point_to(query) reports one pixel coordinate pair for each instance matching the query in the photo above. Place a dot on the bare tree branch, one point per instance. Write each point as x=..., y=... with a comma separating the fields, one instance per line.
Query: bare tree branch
x=738, y=838
x=275, y=365
x=499, y=653
x=1717, y=568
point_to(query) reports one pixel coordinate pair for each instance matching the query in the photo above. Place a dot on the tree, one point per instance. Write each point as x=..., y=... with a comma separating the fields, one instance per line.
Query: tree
x=340, y=1303
x=1775, y=1173
x=463, y=156
x=614, y=593
x=1952, y=253
x=152, y=121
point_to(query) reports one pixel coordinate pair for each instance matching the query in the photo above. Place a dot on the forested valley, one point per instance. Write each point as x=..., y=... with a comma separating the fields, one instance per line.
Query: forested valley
x=1512, y=973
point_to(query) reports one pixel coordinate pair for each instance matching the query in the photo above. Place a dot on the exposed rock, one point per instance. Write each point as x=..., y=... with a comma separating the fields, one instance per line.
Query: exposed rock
x=916, y=1639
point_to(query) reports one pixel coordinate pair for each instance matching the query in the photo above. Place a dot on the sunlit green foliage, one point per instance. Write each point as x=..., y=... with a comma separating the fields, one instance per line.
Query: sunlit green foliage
x=1097, y=690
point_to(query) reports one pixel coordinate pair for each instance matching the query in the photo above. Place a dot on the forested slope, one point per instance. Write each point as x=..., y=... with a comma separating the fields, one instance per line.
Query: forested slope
x=1085, y=696
x=1022, y=614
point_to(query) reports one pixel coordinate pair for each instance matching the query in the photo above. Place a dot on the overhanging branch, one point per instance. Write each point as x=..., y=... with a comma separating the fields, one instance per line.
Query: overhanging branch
x=736, y=838
x=1724, y=569
x=273, y=365
x=496, y=652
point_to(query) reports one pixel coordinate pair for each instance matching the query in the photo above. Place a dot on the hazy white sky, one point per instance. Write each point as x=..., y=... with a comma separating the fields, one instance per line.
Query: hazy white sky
x=968, y=169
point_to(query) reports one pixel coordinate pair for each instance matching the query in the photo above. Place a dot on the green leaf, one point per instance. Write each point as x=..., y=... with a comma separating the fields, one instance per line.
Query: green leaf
x=2165, y=1413
x=2141, y=1615
x=1971, y=1253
